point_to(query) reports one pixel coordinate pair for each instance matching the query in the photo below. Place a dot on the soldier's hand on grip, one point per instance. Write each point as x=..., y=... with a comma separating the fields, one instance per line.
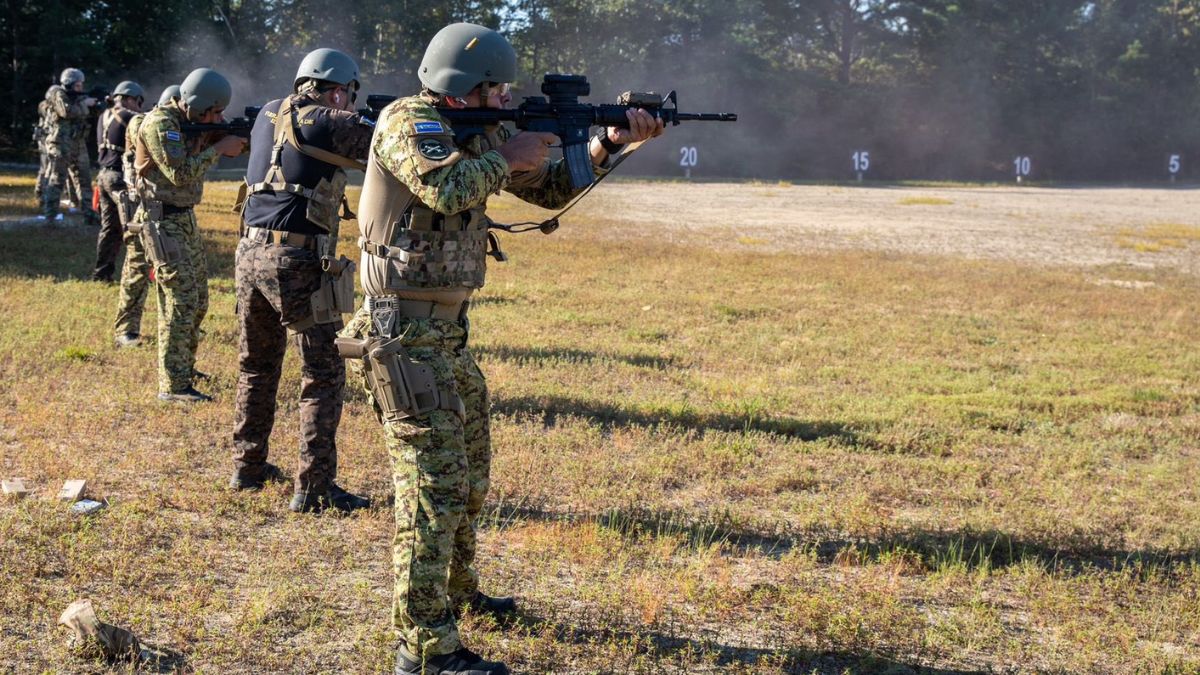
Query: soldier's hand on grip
x=527, y=150
x=89, y=102
x=230, y=146
x=642, y=125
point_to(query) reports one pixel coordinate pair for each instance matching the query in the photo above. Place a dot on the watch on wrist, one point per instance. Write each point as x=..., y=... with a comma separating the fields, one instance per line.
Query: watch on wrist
x=609, y=147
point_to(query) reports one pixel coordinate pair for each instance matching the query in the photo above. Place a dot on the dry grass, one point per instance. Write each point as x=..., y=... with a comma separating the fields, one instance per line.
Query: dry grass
x=705, y=461
x=926, y=201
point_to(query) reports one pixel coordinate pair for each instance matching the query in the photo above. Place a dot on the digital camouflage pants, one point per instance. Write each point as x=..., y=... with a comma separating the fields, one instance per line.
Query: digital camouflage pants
x=135, y=280
x=440, y=468
x=274, y=287
x=108, y=243
x=182, y=303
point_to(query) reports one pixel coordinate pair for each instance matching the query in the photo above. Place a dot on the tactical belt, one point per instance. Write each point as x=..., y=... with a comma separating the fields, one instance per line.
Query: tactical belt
x=420, y=309
x=281, y=238
x=169, y=210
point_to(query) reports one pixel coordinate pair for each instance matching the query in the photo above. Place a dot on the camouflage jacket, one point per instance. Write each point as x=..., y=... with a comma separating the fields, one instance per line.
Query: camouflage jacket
x=170, y=168
x=66, y=118
x=450, y=179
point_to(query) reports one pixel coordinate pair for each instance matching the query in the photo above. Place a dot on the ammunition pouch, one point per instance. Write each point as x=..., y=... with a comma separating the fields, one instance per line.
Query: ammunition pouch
x=402, y=388
x=324, y=201
x=335, y=296
x=161, y=248
x=126, y=206
x=239, y=204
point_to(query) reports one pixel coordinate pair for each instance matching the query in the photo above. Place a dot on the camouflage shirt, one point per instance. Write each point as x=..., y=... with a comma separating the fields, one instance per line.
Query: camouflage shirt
x=170, y=166
x=416, y=145
x=68, y=118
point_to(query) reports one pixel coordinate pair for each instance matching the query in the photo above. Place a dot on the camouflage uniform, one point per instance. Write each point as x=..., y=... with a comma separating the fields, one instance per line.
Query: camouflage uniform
x=66, y=151
x=110, y=139
x=135, y=271
x=278, y=269
x=441, y=459
x=39, y=136
x=171, y=176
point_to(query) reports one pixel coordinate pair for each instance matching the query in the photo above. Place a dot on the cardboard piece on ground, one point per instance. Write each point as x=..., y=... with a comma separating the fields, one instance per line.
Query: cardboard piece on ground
x=15, y=488
x=72, y=490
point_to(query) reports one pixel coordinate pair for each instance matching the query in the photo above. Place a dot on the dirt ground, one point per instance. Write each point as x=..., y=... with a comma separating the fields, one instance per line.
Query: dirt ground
x=1084, y=226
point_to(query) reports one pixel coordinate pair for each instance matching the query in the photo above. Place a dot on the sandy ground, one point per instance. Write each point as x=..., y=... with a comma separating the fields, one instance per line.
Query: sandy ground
x=1085, y=226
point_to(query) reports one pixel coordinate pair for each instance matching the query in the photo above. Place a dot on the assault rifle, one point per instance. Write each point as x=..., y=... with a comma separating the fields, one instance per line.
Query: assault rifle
x=103, y=98
x=560, y=112
x=238, y=126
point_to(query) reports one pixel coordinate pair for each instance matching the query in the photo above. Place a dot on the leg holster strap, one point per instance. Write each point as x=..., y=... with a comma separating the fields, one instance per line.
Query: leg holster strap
x=420, y=309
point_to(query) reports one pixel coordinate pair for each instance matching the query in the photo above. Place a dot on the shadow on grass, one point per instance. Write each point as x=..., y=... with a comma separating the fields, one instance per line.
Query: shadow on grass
x=723, y=656
x=550, y=408
x=519, y=354
x=929, y=551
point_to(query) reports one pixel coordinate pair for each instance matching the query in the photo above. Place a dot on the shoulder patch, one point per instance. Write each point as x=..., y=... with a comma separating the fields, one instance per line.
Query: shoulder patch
x=174, y=136
x=432, y=148
x=428, y=127
x=366, y=122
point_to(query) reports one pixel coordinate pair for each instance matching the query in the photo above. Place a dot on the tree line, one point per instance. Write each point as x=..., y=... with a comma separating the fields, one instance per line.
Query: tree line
x=935, y=89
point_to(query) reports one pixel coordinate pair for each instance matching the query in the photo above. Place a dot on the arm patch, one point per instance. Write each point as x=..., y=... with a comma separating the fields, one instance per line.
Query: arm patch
x=428, y=127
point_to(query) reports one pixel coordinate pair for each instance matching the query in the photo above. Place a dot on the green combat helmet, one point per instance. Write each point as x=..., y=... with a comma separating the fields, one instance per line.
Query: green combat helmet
x=129, y=88
x=169, y=94
x=205, y=88
x=70, y=76
x=329, y=65
x=462, y=55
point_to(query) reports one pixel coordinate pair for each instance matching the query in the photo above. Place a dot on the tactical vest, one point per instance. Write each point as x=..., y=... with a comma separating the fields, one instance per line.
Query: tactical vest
x=300, y=184
x=151, y=184
x=408, y=247
x=61, y=131
x=110, y=137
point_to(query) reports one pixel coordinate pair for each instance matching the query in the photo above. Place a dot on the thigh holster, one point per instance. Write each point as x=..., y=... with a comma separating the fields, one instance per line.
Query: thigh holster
x=403, y=388
x=161, y=248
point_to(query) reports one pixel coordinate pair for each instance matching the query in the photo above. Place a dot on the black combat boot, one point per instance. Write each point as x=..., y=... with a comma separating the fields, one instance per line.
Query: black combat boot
x=189, y=395
x=461, y=662
x=254, y=477
x=336, y=497
x=500, y=608
x=125, y=340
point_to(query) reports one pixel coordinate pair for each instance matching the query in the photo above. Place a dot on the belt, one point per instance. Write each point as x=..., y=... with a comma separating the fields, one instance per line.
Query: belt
x=281, y=237
x=420, y=309
x=169, y=210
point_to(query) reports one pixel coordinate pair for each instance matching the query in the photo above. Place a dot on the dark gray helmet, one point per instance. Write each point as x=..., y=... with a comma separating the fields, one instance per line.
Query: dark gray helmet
x=169, y=94
x=329, y=65
x=129, y=88
x=462, y=55
x=205, y=88
x=70, y=76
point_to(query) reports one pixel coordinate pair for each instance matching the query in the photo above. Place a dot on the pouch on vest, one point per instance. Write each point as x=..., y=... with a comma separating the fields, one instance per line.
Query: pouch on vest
x=335, y=296
x=239, y=204
x=126, y=206
x=325, y=200
x=404, y=388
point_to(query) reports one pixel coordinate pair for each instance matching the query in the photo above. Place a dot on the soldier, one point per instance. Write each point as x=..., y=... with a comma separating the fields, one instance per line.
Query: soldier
x=289, y=278
x=135, y=272
x=425, y=239
x=65, y=144
x=170, y=180
x=110, y=140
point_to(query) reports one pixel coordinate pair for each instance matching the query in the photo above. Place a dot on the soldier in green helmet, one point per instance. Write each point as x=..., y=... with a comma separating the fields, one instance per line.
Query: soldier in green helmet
x=67, y=114
x=135, y=271
x=170, y=180
x=425, y=241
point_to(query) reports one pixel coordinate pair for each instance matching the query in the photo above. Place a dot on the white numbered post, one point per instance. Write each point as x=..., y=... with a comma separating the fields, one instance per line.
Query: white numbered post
x=1174, y=165
x=1024, y=166
x=687, y=159
x=862, y=162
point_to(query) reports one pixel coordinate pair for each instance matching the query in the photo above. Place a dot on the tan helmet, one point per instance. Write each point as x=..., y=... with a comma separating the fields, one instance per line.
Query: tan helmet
x=462, y=55
x=70, y=76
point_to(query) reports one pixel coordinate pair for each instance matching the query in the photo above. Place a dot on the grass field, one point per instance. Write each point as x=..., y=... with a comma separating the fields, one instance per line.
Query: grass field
x=708, y=458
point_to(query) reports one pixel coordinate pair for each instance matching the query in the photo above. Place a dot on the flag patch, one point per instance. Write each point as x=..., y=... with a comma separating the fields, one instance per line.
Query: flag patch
x=174, y=136
x=428, y=128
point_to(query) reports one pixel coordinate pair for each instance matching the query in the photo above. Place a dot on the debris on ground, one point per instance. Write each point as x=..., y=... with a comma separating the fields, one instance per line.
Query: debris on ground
x=93, y=638
x=72, y=491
